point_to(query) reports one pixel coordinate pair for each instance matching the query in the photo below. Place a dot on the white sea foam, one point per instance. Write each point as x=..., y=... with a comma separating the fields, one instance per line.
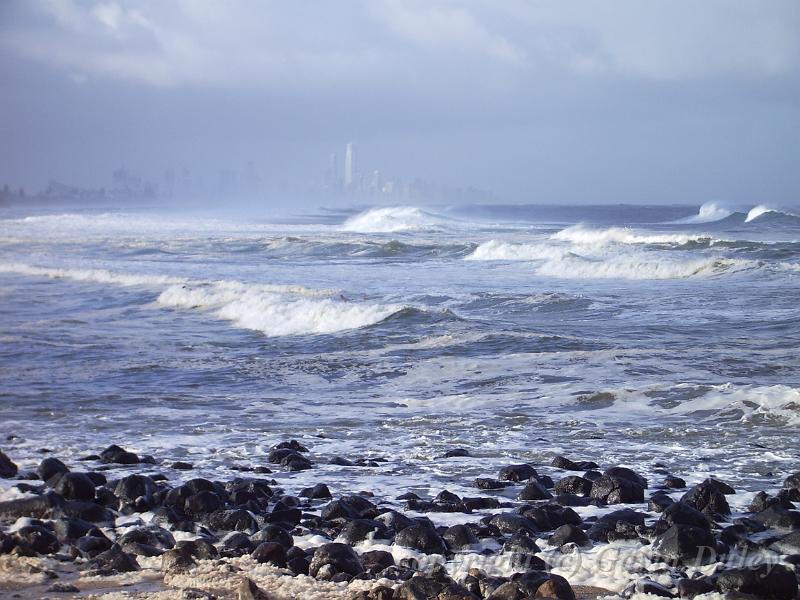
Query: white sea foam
x=262, y=308
x=91, y=275
x=499, y=250
x=639, y=266
x=758, y=211
x=708, y=213
x=579, y=234
x=748, y=403
x=392, y=219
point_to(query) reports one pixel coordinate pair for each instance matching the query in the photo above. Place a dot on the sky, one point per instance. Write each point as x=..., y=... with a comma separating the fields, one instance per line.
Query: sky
x=550, y=101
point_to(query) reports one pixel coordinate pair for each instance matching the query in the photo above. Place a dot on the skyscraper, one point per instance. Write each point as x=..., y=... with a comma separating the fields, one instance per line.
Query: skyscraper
x=350, y=166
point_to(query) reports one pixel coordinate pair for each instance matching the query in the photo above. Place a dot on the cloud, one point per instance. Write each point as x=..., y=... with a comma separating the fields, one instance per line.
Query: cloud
x=402, y=42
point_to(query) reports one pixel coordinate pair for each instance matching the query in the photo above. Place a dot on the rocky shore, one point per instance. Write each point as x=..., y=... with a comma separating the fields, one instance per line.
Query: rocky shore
x=120, y=525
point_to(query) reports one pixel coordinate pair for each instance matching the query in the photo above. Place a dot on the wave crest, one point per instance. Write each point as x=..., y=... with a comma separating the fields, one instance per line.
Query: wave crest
x=579, y=234
x=708, y=213
x=392, y=219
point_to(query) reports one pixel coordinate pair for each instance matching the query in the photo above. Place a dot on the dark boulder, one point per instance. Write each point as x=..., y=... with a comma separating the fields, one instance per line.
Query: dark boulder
x=573, y=484
x=722, y=487
x=349, y=507
x=434, y=585
x=679, y=513
x=75, y=486
x=456, y=453
x=765, y=581
x=341, y=558
x=135, y=490
x=484, y=483
x=610, y=489
x=394, y=520
x=113, y=560
x=271, y=553
x=7, y=467
x=319, y=492
x=291, y=445
x=375, y=561
x=789, y=544
x=116, y=455
x=569, y=534
x=609, y=524
x=777, y=516
x=792, y=482
x=151, y=535
x=39, y=507
x=422, y=537
x=706, y=498
x=625, y=473
x=68, y=530
x=534, y=490
x=35, y=539
x=88, y=511
x=684, y=544
x=517, y=473
x=513, y=523
x=50, y=467
x=231, y=520
x=691, y=588
x=93, y=544
x=674, y=483
x=359, y=530
x=459, y=537
x=203, y=503
x=555, y=587
x=273, y=533
x=561, y=462
x=296, y=462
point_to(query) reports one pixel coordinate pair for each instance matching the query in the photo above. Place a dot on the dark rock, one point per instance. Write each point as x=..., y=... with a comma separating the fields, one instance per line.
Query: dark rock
x=659, y=502
x=674, y=483
x=607, y=524
x=88, y=511
x=625, y=473
x=35, y=539
x=765, y=581
x=291, y=445
x=40, y=507
x=394, y=520
x=685, y=544
x=706, y=498
x=231, y=520
x=151, y=535
x=555, y=587
x=349, y=507
x=459, y=537
x=484, y=483
x=7, y=467
x=679, y=513
x=611, y=489
x=359, y=530
x=274, y=533
x=513, y=523
x=762, y=501
x=248, y=590
x=202, y=503
x=296, y=462
x=421, y=537
x=63, y=588
x=777, y=516
x=97, y=478
x=547, y=517
x=50, y=467
x=375, y=561
x=435, y=585
x=517, y=473
x=690, y=588
x=648, y=586
x=135, y=490
x=236, y=543
x=318, y=492
x=340, y=557
x=567, y=534
x=789, y=544
x=177, y=560
x=534, y=490
x=561, y=462
x=792, y=482
x=200, y=549
x=456, y=452
x=341, y=462
x=68, y=530
x=181, y=466
x=270, y=552
x=722, y=487
x=94, y=544
x=573, y=484
x=481, y=503
x=113, y=560
x=116, y=455
x=75, y=486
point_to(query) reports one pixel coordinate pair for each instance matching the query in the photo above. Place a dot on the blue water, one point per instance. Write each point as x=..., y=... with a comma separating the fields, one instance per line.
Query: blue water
x=622, y=334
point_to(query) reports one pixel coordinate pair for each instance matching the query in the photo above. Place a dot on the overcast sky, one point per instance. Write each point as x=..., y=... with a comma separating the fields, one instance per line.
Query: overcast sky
x=539, y=101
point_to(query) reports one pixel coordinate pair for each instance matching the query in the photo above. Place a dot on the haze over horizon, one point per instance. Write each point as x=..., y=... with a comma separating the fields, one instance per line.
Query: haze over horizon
x=541, y=102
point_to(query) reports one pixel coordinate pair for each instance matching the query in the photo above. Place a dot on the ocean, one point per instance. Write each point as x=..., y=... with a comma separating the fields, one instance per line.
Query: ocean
x=664, y=339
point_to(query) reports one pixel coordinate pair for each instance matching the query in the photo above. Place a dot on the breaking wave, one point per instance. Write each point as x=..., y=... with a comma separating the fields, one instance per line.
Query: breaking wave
x=578, y=234
x=708, y=213
x=639, y=267
x=498, y=250
x=274, y=310
x=393, y=219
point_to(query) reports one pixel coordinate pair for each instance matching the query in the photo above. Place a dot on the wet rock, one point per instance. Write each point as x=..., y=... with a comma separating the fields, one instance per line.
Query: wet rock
x=561, y=462
x=777, y=516
x=348, y=508
x=436, y=585
x=573, y=484
x=271, y=553
x=179, y=465
x=8, y=468
x=722, y=487
x=789, y=544
x=691, y=588
x=674, y=483
x=273, y=533
x=394, y=520
x=291, y=445
x=135, y=490
x=513, y=523
x=611, y=489
x=679, y=513
x=484, y=483
x=375, y=561
x=684, y=544
x=248, y=590
x=116, y=455
x=40, y=507
x=517, y=473
x=359, y=530
x=459, y=537
x=318, y=492
x=231, y=520
x=765, y=581
x=648, y=586
x=246, y=491
x=50, y=467
x=341, y=462
x=341, y=558
x=625, y=473
x=607, y=524
x=35, y=539
x=75, y=486
x=63, y=588
x=706, y=498
x=659, y=502
x=522, y=550
x=88, y=511
x=68, y=530
x=456, y=453
x=792, y=482
x=481, y=503
x=555, y=587
x=151, y=535
x=534, y=490
x=296, y=462
x=200, y=549
x=567, y=534
x=113, y=560
x=762, y=501
x=177, y=560
x=422, y=537
x=93, y=544
x=521, y=586
x=202, y=503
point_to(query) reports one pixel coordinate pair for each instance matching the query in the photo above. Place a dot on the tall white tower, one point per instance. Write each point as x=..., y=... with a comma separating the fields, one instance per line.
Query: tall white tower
x=349, y=166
